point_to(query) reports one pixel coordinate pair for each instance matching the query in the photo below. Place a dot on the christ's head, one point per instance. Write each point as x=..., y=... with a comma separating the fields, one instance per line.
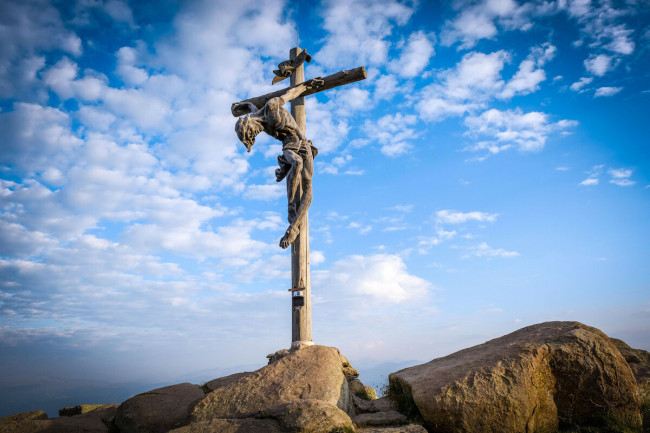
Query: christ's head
x=247, y=128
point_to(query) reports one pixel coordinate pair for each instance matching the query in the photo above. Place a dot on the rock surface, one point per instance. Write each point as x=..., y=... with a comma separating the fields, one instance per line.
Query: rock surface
x=79, y=409
x=555, y=374
x=409, y=428
x=96, y=421
x=313, y=372
x=311, y=416
x=158, y=411
x=223, y=381
x=639, y=361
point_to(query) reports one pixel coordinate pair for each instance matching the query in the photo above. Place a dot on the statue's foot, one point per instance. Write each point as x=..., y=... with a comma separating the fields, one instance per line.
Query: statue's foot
x=288, y=238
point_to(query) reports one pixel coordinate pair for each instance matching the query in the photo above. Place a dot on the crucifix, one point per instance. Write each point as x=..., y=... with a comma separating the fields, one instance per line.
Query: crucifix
x=296, y=164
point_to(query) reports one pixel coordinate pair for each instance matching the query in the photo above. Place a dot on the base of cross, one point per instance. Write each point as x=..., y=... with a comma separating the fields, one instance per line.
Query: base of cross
x=300, y=344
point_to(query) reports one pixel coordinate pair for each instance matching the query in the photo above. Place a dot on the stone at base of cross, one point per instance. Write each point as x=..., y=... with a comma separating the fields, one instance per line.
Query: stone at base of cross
x=297, y=345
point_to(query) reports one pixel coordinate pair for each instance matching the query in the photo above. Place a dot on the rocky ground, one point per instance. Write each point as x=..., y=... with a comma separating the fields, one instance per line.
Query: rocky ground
x=555, y=376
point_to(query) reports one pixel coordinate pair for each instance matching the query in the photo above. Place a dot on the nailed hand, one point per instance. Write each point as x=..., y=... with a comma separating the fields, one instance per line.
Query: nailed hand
x=315, y=83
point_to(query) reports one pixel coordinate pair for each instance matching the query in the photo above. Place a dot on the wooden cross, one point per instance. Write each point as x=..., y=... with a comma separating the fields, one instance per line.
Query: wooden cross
x=300, y=274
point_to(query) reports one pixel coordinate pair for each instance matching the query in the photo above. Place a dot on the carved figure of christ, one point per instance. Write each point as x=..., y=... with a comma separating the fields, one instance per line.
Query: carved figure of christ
x=297, y=159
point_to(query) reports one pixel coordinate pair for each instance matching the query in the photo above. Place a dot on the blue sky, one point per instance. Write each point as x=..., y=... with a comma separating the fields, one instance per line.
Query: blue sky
x=491, y=173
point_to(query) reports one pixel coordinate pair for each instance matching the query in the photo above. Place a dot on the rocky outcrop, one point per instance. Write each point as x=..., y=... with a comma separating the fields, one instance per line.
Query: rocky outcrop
x=79, y=409
x=410, y=428
x=538, y=379
x=542, y=378
x=309, y=415
x=158, y=411
x=639, y=361
x=314, y=372
x=99, y=420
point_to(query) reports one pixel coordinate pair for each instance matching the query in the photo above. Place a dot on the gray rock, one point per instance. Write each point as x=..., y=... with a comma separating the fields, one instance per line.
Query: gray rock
x=223, y=381
x=158, y=411
x=389, y=418
x=96, y=421
x=311, y=416
x=229, y=425
x=314, y=372
x=540, y=378
x=79, y=409
x=409, y=428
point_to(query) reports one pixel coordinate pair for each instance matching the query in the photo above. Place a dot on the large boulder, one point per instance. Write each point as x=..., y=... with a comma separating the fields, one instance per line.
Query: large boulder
x=537, y=379
x=98, y=420
x=158, y=411
x=311, y=416
x=313, y=372
x=639, y=361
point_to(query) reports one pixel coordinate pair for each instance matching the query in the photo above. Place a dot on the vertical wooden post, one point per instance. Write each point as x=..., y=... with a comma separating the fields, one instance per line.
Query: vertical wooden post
x=300, y=278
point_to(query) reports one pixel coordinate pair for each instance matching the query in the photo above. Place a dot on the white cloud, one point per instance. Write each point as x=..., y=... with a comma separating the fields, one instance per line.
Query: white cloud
x=475, y=79
x=484, y=250
x=599, y=65
x=609, y=39
x=593, y=175
x=326, y=132
x=36, y=138
x=607, y=91
x=386, y=86
x=530, y=72
x=379, y=279
x=454, y=217
x=351, y=100
x=621, y=177
x=126, y=69
x=265, y=192
x=28, y=31
x=478, y=21
x=393, y=132
x=582, y=82
x=415, y=56
x=359, y=30
x=529, y=131
x=590, y=181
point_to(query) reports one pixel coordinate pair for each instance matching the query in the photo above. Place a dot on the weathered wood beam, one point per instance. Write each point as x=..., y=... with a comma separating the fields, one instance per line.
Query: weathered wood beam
x=329, y=82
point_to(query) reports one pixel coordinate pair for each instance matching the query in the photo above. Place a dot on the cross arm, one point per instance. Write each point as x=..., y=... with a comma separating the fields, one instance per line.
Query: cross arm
x=329, y=82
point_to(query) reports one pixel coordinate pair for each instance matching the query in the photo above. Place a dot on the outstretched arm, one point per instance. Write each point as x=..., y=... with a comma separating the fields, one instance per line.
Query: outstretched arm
x=295, y=92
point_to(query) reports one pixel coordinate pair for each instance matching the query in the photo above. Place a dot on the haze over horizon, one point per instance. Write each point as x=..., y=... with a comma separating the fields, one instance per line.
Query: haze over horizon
x=492, y=172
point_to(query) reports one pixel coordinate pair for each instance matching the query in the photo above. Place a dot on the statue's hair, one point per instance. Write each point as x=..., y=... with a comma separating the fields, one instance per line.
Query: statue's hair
x=246, y=129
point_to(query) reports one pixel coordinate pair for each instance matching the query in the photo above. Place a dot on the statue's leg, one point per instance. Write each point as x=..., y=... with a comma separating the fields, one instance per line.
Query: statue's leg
x=283, y=170
x=293, y=177
x=305, y=199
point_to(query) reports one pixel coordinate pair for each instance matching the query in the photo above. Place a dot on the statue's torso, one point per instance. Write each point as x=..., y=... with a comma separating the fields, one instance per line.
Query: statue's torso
x=280, y=124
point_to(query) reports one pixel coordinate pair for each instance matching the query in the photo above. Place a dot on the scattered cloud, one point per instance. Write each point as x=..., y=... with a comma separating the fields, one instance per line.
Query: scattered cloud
x=607, y=91
x=393, y=132
x=453, y=217
x=484, y=250
x=530, y=73
x=480, y=20
x=415, y=55
x=621, y=177
x=599, y=64
x=582, y=82
x=378, y=279
x=528, y=131
x=590, y=181
x=475, y=79
x=359, y=30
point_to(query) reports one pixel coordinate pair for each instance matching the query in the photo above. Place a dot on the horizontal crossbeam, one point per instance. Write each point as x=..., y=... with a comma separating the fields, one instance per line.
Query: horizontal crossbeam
x=329, y=82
